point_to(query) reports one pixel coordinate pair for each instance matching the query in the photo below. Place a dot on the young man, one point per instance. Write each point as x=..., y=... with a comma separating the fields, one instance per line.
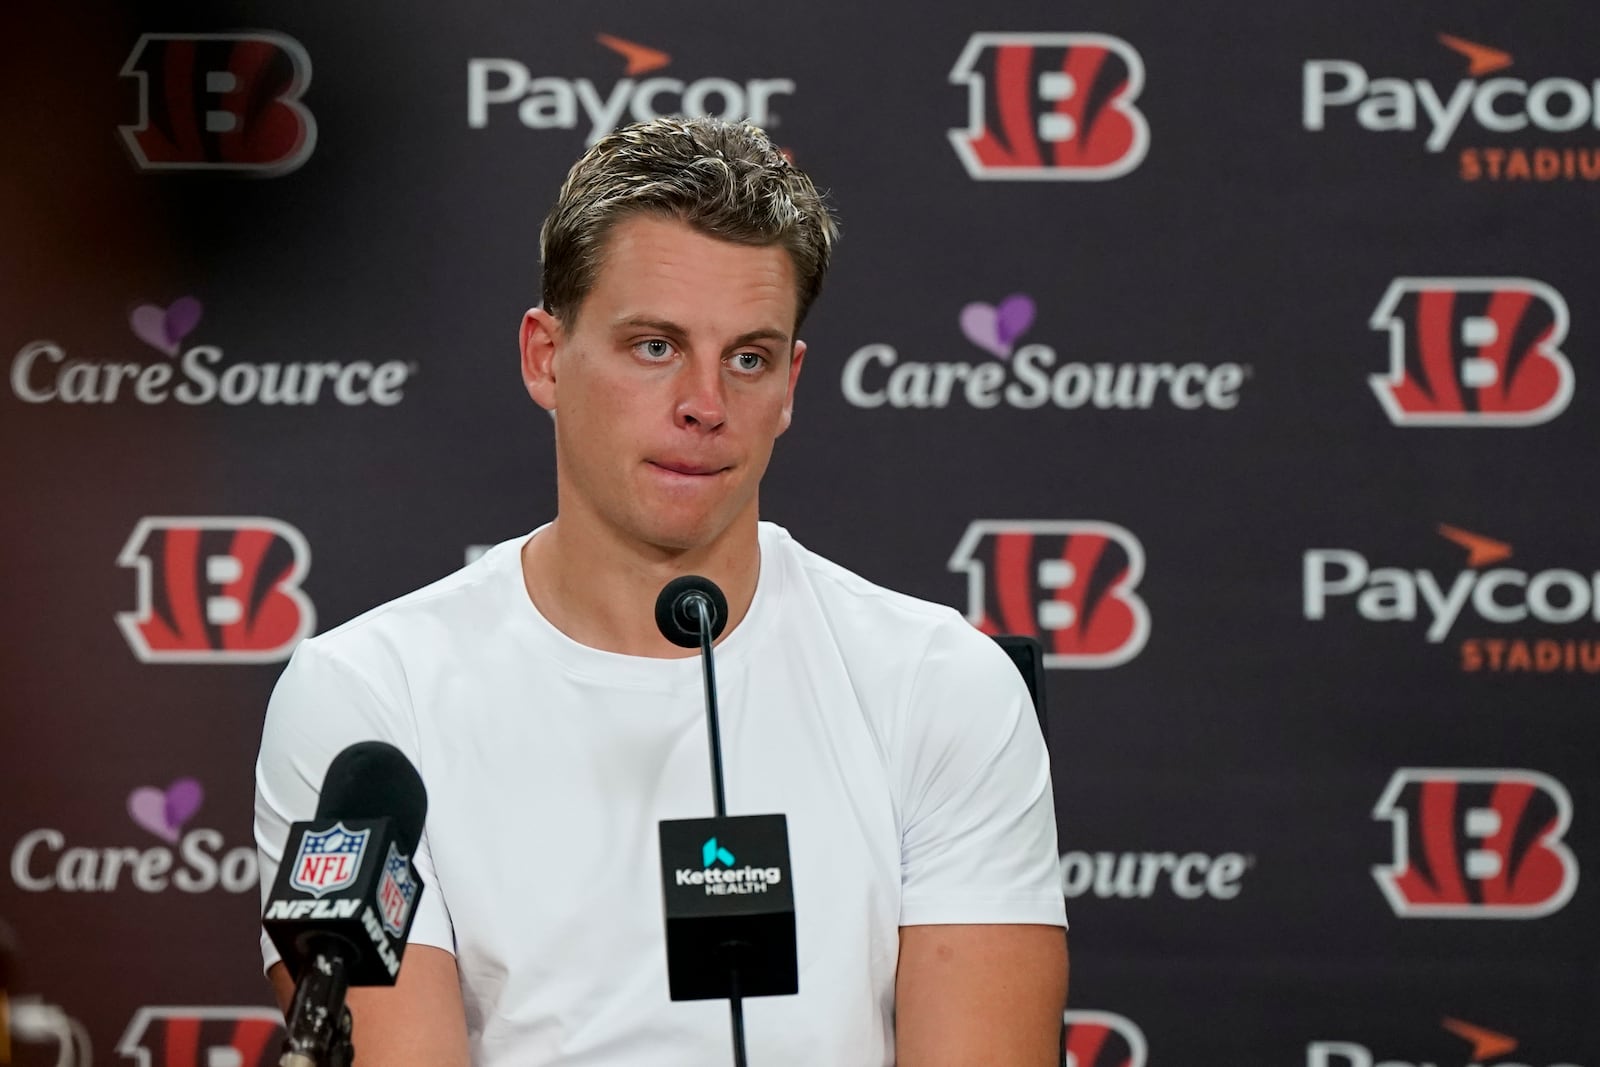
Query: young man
x=554, y=726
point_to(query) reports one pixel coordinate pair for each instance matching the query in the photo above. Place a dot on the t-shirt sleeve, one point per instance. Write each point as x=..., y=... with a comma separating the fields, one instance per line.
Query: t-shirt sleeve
x=320, y=706
x=978, y=830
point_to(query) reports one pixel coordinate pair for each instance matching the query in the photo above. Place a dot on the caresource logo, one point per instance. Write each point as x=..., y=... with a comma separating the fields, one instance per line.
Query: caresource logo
x=506, y=87
x=1473, y=352
x=1487, y=108
x=1050, y=107
x=220, y=101
x=1489, y=1048
x=1146, y=875
x=191, y=861
x=1101, y=1039
x=1069, y=584
x=1476, y=844
x=1480, y=594
x=1028, y=376
x=216, y=590
x=203, y=1037
x=42, y=373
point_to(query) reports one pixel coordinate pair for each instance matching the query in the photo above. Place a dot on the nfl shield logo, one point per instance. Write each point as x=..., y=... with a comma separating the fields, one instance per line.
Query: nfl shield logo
x=328, y=860
x=396, y=892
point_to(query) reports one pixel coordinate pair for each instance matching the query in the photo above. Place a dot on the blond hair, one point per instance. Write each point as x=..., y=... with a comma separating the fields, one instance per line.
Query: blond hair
x=725, y=179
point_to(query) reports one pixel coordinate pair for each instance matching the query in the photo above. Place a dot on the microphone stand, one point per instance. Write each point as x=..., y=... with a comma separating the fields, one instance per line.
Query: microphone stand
x=319, y=1021
x=702, y=610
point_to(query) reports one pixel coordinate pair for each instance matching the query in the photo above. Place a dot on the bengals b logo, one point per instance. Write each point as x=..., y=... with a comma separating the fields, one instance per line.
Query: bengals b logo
x=1069, y=584
x=1051, y=106
x=213, y=101
x=217, y=590
x=1473, y=352
x=1100, y=1039
x=1476, y=844
x=203, y=1037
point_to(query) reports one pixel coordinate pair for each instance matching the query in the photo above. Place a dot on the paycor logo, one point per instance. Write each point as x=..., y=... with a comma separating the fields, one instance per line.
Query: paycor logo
x=1341, y=579
x=498, y=86
x=1490, y=1048
x=1488, y=107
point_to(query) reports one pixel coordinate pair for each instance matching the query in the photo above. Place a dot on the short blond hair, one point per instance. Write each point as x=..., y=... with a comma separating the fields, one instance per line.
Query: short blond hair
x=725, y=179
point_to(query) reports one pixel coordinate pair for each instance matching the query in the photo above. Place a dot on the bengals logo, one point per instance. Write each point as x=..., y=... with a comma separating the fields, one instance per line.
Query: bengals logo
x=1476, y=844
x=203, y=1037
x=1069, y=584
x=214, y=101
x=217, y=590
x=1473, y=352
x=1100, y=1039
x=1051, y=106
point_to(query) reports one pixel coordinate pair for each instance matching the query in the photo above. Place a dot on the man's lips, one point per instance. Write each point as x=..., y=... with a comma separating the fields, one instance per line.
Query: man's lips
x=682, y=467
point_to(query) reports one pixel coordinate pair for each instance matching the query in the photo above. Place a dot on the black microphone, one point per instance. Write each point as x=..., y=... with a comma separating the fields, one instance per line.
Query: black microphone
x=679, y=605
x=725, y=881
x=346, y=894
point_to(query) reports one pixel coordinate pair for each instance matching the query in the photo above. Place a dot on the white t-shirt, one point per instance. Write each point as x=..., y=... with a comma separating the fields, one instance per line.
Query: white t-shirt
x=899, y=741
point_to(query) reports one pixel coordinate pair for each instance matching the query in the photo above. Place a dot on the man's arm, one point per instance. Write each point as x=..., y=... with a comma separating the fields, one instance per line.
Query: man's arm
x=418, y=1023
x=967, y=996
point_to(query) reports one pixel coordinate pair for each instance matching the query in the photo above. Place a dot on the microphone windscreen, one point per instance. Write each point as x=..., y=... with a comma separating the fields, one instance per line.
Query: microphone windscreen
x=677, y=623
x=374, y=780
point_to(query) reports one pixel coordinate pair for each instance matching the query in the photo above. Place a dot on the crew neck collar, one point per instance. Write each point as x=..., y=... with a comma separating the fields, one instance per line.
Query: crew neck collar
x=616, y=668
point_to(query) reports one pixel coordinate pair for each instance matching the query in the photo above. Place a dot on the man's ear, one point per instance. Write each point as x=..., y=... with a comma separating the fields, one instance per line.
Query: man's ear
x=537, y=339
x=795, y=363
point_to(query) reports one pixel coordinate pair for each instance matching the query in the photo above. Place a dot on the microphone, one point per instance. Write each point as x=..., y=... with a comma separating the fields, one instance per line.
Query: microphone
x=725, y=881
x=679, y=606
x=346, y=894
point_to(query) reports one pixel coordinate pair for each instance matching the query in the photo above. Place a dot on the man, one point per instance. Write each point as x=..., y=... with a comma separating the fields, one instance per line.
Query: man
x=554, y=726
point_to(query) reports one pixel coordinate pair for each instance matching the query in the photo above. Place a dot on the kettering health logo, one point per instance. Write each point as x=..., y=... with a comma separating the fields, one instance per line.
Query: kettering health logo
x=197, y=375
x=1026, y=376
x=728, y=879
x=547, y=102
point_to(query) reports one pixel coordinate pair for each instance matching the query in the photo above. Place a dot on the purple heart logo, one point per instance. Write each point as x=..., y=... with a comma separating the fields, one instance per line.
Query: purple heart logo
x=163, y=813
x=996, y=329
x=165, y=328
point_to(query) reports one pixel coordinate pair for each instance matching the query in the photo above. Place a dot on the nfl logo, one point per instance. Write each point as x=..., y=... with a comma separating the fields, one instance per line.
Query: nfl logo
x=396, y=892
x=328, y=860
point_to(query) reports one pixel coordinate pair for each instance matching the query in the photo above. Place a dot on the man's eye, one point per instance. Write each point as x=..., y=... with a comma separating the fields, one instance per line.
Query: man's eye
x=655, y=349
x=750, y=361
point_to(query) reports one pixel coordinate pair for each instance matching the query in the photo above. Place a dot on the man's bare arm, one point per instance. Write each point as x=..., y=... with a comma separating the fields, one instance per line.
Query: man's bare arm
x=418, y=1023
x=978, y=995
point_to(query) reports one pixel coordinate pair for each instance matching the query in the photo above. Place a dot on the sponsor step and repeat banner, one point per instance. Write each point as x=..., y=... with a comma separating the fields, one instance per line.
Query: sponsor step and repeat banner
x=1246, y=358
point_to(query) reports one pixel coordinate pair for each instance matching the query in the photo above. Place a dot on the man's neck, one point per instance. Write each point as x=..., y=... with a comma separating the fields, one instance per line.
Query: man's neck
x=600, y=589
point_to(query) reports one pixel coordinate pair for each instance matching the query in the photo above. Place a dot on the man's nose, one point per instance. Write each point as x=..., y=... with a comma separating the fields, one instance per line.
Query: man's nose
x=700, y=398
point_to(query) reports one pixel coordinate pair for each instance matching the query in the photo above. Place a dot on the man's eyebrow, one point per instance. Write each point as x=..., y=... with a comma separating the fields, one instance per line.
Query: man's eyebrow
x=644, y=322
x=666, y=326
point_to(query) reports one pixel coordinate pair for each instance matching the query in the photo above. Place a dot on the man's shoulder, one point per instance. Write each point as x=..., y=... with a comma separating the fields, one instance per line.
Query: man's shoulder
x=888, y=622
x=465, y=601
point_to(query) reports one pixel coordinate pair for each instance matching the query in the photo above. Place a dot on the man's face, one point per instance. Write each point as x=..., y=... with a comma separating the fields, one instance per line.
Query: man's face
x=673, y=383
